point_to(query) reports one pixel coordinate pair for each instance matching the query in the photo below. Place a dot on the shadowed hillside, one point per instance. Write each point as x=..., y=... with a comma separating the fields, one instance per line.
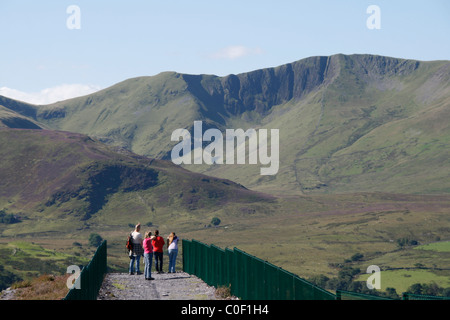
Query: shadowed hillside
x=53, y=180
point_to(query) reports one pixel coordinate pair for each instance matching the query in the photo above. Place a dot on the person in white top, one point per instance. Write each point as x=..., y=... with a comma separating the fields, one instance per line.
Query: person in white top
x=172, y=246
x=137, y=251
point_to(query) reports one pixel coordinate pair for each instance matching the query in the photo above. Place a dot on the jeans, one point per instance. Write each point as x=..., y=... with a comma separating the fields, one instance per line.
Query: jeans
x=158, y=261
x=148, y=257
x=134, y=259
x=172, y=259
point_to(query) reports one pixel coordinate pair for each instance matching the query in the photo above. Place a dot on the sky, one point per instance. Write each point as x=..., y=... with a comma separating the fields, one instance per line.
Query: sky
x=51, y=52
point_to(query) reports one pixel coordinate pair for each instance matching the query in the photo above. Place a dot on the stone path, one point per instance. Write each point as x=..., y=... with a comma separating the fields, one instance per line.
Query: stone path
x=166, y=286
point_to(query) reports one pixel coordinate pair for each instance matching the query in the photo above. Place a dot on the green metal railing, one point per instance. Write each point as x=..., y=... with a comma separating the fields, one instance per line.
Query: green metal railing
x=248, y=277
x=348, y=295
x=91, y=277
x=251, y=278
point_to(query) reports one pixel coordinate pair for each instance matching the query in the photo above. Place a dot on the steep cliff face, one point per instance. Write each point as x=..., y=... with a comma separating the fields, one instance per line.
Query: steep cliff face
x=260, y=90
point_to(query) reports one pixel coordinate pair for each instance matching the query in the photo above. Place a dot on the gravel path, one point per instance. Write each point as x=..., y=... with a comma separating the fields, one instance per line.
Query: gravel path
x=166, y=286
x=8, y=294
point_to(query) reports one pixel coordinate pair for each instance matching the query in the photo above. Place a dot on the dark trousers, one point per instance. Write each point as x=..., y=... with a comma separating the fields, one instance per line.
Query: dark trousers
x=158, y=261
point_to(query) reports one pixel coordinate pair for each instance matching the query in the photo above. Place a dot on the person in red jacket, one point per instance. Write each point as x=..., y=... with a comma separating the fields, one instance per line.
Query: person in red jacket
x=158, y=244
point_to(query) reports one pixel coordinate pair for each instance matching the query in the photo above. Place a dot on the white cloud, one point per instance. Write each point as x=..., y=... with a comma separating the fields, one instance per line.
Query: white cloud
x=235, y=52
x=50, y=95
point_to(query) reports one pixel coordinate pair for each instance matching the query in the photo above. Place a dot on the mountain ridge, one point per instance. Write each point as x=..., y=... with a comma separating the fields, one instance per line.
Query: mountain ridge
x=326, y=107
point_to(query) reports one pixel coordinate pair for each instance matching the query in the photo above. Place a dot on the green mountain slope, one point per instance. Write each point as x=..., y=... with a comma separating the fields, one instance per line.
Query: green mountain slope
x=347, y=123
x=60, y=181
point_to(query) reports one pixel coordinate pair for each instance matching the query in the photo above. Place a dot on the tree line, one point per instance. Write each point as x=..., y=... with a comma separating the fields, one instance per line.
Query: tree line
x=8, y=218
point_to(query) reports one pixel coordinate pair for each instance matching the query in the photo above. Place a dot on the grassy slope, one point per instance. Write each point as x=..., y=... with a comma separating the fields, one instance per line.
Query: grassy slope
x=28, y=259
x=401, y=139
x=135, y=114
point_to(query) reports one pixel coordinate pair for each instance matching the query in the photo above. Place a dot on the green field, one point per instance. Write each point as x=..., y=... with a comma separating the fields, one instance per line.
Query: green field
x=436, y=246
x=23, y=260
x=308, y=236
x=401, y=280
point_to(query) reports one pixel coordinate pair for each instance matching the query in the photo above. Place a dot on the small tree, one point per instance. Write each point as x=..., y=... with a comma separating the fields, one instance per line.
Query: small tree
x=416, y=288
x=95, y=240
x=215, y=221
x=392, y=293
x=357, y=256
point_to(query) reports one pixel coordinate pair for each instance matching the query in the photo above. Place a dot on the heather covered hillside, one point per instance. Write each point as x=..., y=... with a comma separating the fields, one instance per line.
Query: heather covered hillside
x=54, y=180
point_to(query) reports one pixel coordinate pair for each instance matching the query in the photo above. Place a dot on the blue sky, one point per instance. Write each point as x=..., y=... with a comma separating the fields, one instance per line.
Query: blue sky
x=41, y=58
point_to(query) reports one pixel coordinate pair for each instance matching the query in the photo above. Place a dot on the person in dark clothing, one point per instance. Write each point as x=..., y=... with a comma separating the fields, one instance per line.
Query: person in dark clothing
x=138, y=251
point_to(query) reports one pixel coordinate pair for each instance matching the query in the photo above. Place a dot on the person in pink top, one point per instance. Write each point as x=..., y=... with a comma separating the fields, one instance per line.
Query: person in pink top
x=148, y=255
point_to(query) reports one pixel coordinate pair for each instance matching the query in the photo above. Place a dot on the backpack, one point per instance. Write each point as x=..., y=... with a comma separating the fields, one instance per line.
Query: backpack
x=129, y=242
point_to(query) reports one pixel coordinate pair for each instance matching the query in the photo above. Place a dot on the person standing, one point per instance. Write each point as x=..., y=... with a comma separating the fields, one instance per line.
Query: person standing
x=137, y=251
x=148, y=255
x=172, y=247
x=158, y=245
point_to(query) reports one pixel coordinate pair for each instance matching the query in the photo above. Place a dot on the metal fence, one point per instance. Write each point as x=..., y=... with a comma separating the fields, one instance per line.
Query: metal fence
x=248, y=277
x=91, y=277
x=349, y=295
